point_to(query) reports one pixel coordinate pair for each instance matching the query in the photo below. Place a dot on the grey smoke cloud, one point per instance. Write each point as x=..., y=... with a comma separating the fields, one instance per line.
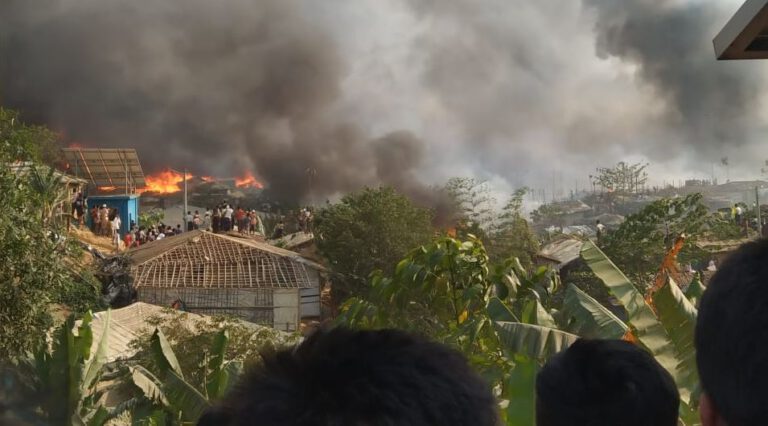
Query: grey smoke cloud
x=218, y=87
x=323, y=97
x=712, y=104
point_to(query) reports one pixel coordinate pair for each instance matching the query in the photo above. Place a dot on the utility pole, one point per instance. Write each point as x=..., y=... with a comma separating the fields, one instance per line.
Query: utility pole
x=759, y=213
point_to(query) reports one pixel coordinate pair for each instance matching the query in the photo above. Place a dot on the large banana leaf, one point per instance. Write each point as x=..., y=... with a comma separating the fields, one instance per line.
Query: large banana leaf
x=498, y=311
x=646, y=326
x=163, y=354
x=588, y=318
x=533, y=341
x=65, y=372
x=678, y=316
x=173, y=392
x=149, y=384
x=99, y=357
x=520, y=390
x=218, y=378
x=184, y=398
x=695, y=290
x=534, y=313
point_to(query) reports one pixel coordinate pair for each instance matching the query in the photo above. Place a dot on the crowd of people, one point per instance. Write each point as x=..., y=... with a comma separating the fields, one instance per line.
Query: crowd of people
x=389, y=377
x=224, y=218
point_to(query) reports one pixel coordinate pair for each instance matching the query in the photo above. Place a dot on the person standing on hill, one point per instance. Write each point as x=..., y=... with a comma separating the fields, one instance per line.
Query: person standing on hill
x=105, y=226
x=228, y=212
x=117, y=223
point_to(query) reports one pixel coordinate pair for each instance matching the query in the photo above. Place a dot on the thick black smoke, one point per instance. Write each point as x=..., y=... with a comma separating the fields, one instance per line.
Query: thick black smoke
x=219, y=87
x=713, y=104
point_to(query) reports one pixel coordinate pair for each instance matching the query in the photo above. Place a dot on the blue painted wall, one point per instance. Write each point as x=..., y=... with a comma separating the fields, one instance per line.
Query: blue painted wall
x=127, y=205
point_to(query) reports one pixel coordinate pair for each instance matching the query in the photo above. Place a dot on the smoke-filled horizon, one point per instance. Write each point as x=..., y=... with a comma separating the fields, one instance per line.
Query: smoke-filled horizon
x=320, y=98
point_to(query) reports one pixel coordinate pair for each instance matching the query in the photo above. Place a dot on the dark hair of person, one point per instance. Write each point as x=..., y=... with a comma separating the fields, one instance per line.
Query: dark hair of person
x=605, y=382
x=350, y=377
x=731, y=349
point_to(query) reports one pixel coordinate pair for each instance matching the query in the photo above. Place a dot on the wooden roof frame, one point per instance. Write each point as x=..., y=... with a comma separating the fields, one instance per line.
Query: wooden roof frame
x=200, y=259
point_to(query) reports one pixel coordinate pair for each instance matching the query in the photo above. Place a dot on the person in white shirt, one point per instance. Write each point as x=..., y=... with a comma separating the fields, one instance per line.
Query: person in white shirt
x=600, y=232
x=228, y=211
x=116, y=225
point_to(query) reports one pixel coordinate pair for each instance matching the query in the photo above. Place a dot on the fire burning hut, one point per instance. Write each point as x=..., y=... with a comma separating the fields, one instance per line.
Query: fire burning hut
x=216, y=274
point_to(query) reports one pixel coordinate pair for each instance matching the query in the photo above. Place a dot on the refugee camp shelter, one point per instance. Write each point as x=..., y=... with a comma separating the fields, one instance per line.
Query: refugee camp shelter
x=560, y=253
x=216, y=274
x=127, y=205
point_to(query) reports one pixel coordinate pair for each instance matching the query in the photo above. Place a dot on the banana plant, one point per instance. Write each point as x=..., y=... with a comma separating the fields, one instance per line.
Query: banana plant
x=67, y=374
x=665, y=326
x=168, y=389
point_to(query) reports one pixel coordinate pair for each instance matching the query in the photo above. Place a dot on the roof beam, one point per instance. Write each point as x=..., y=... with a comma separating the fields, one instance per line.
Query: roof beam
x=744, y=36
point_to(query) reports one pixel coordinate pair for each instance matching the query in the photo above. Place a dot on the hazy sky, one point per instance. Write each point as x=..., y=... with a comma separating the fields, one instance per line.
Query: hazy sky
x=514, y=90
x=408, y=92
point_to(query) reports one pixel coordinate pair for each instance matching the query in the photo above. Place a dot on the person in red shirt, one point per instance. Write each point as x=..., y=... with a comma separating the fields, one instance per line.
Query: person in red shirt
x=239, y=216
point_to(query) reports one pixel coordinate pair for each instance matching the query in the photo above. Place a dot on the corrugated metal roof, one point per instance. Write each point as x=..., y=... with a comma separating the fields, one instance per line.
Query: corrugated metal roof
x=564, y=251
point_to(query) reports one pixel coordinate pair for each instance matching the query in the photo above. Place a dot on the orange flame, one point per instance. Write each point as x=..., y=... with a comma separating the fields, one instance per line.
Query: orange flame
x=75, y=145
x=165, y=182
x=208, y=179
x=107, y=188
x=248, y=181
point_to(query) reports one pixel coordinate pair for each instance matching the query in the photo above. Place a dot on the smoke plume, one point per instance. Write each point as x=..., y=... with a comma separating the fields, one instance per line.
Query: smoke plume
x=323, y=97
x=218, y=87
x=712, y=104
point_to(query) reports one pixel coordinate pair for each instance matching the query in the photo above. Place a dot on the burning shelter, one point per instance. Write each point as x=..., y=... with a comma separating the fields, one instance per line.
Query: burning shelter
x=215, y=274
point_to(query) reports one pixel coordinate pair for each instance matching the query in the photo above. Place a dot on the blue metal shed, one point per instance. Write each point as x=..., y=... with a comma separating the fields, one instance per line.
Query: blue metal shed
x=127, y=205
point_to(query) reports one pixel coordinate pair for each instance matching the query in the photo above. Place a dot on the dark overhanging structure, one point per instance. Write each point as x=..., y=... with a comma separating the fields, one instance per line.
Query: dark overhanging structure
x=745, y=36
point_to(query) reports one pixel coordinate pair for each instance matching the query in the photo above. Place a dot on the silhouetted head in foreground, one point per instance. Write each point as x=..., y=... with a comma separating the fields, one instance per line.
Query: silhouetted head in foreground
x=731, y=347
x=359, y=378
x=605, y=383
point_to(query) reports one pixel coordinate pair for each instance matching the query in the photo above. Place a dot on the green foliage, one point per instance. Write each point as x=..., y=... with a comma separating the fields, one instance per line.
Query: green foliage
x=165, y=386
x=513, y=237
x=63, y=378
x=623, y=178
x=198, y=345
x=473, y=204
x=499, y=315
x=30, y=143
x=452, y=292
x=38, y=265
x=151, y=217
x=369, y=230
x=639, y=245
x=665, y=329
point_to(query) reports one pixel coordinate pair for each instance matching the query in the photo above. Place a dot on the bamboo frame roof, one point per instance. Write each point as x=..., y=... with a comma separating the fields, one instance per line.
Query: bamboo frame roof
x=201, y=259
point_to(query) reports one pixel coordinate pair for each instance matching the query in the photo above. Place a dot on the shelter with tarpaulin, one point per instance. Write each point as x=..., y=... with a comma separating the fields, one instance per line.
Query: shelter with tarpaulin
x=217, y=274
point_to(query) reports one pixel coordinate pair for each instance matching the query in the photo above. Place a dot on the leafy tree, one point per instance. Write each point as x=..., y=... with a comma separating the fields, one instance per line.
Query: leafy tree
x=513, y=236
x=498, y=315
x=473, y=204
x=33, y=143
x=368, y=230
x=39, y=265
x=639, y=245
x=623, y=178
x=151, y=217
